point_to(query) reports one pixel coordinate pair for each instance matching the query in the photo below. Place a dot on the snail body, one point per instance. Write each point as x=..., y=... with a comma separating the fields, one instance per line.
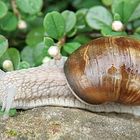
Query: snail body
x=106, y=70
x=102, y=76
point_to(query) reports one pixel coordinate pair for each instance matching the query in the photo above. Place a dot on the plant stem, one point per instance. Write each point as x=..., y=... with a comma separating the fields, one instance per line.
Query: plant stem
x=61, y=42
x=15, y=10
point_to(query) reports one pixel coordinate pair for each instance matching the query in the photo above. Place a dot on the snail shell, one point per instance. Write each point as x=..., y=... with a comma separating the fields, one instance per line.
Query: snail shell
x=106, y=70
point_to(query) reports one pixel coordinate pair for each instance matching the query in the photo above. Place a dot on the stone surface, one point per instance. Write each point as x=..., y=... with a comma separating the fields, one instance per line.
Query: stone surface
x=58, y=123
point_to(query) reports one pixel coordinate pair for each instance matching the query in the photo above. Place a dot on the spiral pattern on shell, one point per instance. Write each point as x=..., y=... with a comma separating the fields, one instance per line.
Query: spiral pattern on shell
x=106, y=70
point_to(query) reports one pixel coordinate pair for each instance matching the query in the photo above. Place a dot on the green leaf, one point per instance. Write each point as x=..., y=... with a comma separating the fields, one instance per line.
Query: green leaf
x=3, y=45
x=129, y=9
x=70, y=20
x=135, y=15
x=117, y=7
x=125, y=8
x=63, y=52
x=54, y=25
x=30, y=6
x=71, y=47
x=23, y=65
x=3, y=9
x=107, y=31
x=48, y=42
x=39, y=53
x=137, y=30
x=11, y=113
x=117, y=16
x=82, y=39
x=9, y=22
x=35, y=22
x=27, y=55
x=13, y=55
x=107, y=2
x=58, y=5
x=72, y=32
x=85, y=3
x=80, y=15
x=35, y=36
x=98, y=16
x=136, y=23
x=129, y=27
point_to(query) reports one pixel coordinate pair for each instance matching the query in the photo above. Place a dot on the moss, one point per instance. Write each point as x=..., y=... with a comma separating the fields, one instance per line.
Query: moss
x=12, y=133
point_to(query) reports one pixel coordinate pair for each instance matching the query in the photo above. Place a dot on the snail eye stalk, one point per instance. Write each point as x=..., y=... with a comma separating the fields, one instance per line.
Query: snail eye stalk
x=8, y=100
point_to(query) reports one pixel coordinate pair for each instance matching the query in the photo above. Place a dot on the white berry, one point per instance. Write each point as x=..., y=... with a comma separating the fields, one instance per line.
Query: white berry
x=117, y=25
x=8, y=65
x=53, y=51
x=22, y=24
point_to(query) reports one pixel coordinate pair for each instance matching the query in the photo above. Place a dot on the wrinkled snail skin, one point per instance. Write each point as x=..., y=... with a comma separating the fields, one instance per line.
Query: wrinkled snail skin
x=106, y=70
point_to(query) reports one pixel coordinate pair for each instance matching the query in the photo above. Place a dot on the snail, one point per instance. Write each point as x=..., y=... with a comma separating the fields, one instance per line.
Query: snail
x=101, y=76
x=106, y=70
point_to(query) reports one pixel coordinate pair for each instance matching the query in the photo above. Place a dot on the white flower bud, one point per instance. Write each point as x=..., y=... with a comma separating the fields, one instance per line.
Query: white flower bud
x=117, y=25
x=54, y=51
x=46, y=59
x=8, y=65
x=22, y=24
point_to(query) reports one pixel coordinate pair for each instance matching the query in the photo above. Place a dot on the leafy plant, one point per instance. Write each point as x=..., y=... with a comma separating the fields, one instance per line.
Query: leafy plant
x=28, y=28
x=11, y=113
